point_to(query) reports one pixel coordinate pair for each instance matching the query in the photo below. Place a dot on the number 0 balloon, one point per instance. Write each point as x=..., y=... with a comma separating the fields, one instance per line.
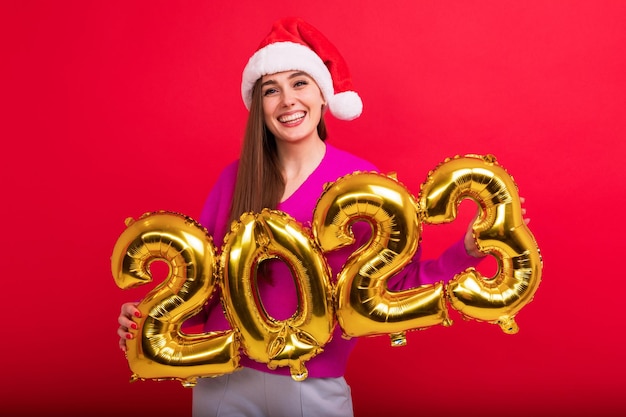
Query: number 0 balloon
x=272, y=234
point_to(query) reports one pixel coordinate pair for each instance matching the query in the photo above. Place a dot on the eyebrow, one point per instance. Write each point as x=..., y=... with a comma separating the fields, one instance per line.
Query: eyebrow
x=293, y=75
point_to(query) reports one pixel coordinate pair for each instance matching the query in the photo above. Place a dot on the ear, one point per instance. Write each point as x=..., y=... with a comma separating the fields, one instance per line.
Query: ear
x=324, y=101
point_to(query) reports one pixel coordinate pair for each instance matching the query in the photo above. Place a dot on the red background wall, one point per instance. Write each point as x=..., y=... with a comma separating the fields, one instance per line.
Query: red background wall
x=112, y=109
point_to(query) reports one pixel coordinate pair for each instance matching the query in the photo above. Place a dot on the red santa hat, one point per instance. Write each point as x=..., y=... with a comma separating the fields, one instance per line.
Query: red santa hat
x=293, y=44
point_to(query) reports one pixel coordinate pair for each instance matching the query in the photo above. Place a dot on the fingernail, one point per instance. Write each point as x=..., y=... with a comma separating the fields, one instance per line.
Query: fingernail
x=137, y=314
x=133, y=325
x=129, y=336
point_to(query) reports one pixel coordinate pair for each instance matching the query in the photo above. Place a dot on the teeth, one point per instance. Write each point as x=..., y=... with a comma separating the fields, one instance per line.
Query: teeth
x=291, y=117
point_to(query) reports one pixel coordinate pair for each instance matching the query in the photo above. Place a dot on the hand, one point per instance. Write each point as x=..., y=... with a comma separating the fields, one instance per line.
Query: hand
x=125, y=320
x=470, y=243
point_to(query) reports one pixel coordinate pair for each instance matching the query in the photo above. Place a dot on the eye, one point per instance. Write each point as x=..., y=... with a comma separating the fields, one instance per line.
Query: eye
x=300, y=83
x=269, y=92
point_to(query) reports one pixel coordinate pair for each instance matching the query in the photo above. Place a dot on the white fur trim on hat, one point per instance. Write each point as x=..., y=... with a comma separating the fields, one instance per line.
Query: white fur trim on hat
x=285, y=56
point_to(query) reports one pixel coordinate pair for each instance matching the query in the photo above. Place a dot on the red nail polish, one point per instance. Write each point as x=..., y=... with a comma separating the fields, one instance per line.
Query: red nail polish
x=129, y=336
x=137, y=314
x=133, y=325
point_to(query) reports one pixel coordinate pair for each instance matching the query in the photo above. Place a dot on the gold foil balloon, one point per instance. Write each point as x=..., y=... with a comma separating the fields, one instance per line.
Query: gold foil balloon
x=364, y=304
x=160, y=350
x=272, y=234
x=499, y=230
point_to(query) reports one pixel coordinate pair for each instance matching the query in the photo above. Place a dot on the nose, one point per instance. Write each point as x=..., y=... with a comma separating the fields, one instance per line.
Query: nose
x=288, y=98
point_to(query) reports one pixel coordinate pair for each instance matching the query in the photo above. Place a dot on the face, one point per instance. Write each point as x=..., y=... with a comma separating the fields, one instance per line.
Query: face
x=292, y=105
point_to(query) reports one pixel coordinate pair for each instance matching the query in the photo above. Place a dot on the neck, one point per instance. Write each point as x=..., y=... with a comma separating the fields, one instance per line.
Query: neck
x=302, y=158
x=298, y=161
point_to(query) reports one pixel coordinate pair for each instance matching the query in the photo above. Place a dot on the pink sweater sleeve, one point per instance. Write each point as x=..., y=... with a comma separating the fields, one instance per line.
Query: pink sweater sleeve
x=453, y=260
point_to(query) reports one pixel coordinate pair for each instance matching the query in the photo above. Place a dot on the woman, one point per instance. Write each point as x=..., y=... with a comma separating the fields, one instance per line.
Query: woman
x=288, y=85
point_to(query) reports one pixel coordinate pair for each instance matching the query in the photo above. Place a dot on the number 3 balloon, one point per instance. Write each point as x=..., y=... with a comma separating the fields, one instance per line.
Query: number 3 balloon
x=499, y=230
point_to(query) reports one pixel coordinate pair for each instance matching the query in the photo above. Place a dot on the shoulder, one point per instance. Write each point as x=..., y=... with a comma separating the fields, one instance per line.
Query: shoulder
x=224, y=185
x=230, y=170
x=228, y=175
x=216, y=207
x=347, y=161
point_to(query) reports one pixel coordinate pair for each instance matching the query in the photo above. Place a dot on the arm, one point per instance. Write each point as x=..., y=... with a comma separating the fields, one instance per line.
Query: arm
x=457, y=258
x=418, y=272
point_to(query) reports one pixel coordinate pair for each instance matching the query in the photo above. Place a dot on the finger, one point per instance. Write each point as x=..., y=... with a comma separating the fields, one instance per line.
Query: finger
x=126, y=322
x=123, y=333
x=130, y=310
x=526, y=220
x=122, y=344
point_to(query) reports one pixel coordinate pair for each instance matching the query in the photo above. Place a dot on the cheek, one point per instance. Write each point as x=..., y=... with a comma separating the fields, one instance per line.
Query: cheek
x=318, y=104
x=268, y=117
x=321, y=102
x=267, y=111
x=265, y=106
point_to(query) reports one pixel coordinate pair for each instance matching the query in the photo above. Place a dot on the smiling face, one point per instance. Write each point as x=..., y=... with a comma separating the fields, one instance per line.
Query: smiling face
x=292, y=106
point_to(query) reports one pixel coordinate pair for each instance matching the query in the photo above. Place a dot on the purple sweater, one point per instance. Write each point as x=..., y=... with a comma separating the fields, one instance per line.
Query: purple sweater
x=282, y=304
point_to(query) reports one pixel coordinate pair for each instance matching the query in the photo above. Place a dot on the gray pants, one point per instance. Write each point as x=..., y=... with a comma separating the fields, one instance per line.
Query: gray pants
x=251, y=393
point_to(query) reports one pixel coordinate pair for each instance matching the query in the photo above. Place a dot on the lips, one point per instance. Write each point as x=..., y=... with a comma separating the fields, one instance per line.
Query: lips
x=292, y=117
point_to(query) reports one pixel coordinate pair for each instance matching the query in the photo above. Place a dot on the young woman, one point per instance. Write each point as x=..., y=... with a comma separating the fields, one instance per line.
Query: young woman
x=288, y=85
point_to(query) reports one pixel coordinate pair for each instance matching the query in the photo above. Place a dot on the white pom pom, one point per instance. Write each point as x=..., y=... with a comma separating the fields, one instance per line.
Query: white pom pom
x=346, y=105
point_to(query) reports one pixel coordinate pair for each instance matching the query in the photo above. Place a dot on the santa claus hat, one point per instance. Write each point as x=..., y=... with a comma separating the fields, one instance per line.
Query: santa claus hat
x=292, y=45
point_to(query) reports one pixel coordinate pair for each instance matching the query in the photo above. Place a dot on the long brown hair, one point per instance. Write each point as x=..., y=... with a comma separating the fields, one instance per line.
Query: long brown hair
x=259, y=183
